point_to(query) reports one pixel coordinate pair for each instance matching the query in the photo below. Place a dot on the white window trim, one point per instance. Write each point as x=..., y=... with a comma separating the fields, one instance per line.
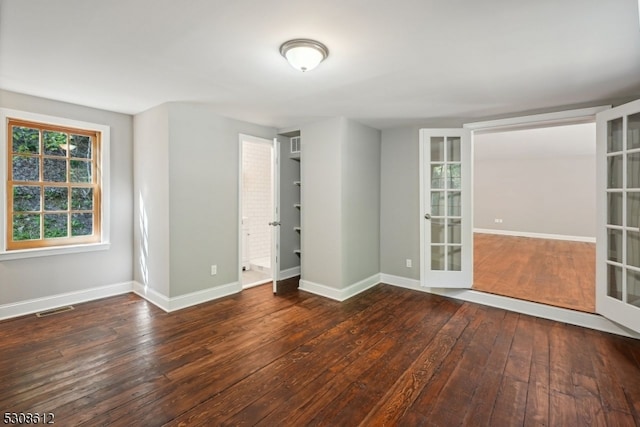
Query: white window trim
x=105, y=131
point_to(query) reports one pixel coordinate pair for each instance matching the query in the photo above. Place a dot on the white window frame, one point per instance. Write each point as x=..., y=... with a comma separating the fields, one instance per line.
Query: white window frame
x=105, y=132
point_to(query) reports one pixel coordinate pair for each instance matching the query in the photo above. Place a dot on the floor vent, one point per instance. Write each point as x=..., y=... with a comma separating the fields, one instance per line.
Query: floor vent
x=54, y=311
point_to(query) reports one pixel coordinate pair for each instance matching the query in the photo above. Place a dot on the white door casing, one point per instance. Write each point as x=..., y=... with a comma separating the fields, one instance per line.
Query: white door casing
x=275, y=224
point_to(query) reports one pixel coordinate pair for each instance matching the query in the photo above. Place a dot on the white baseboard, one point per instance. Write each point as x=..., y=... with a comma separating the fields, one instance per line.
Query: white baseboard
x=156, y=298
x=170, y=304
x=69, y=298
x=578, y=318
x=339, y=294
x=289, y=273
x=536, y=235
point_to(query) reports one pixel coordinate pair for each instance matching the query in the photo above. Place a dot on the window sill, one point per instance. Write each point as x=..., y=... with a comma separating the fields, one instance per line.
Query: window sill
x=61, y=250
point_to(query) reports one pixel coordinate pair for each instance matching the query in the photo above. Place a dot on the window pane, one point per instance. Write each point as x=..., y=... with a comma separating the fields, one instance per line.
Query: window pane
x=82, y=199
x=54, y=142
x=455, y=231
x=437, y=177
x=55, y=225
x=26, y=198
x=633, y=248
x=437, y=230
x=633, y=170
x=614, y=243
x=56, y=199
x=453, y=152
x=614, y=282
x=437, y=203
x=81, y=224
x=455, y=203
x=614, y=172
x=80, y=146
x=25, y=168
x=633, y=131
x=55, y=170
x=633, y=287
x=633, y=209
x=26, y=227
x=614, y=208
x=614, y=135
x=455, y=258
x=437, y=149
x=454, y=176
x=438, y=257
x=25, y=140
x=80, y=171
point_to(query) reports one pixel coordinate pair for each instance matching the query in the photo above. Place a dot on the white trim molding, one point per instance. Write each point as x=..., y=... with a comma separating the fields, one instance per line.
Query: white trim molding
x=585, y=115
x=578, y=318
x=179, y=302
x=586, y=239
x=289, y=273
x=22, y=308
x=339, y=294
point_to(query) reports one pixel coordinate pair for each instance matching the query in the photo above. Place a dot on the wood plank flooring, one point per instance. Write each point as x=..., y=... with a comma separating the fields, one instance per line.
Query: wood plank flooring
x=389, y=356
x=553, y=272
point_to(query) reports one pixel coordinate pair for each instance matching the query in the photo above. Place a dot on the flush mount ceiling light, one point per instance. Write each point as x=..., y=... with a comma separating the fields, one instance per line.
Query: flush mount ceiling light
x=304, y=54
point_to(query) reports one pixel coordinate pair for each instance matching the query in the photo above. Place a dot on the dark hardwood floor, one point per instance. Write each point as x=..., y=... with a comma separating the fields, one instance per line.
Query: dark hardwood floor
x=388, y=356
x=552, y=272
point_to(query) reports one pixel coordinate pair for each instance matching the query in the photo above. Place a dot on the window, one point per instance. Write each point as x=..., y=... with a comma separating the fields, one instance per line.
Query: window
x=54, y=183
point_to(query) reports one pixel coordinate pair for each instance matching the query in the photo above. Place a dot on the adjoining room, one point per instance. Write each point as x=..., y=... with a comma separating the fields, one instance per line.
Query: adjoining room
x=534, y=214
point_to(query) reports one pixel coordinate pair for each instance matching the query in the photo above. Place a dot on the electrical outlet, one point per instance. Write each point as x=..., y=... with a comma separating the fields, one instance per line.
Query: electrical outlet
x=408, y=263
x=498, y=220
x=214, y=270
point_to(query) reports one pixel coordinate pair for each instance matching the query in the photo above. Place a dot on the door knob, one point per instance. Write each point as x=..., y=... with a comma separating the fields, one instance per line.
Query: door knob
x=427, y=216
x=274, y=223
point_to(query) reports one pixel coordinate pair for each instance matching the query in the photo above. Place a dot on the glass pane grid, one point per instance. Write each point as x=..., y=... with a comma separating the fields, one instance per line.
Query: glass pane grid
x=51, y=182
x=623, y=209
x=446, y=219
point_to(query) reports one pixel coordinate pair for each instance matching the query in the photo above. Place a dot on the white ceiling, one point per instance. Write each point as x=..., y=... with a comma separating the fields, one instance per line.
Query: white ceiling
x=390, y=63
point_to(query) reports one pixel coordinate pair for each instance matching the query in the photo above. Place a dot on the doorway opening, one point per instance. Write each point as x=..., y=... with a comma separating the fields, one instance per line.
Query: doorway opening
x=534, y=214
x=256, y=210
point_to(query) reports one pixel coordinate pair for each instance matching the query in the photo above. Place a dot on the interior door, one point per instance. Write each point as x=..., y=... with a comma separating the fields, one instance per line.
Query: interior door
x=445, y=213
x=618, y=204
x=275, y=223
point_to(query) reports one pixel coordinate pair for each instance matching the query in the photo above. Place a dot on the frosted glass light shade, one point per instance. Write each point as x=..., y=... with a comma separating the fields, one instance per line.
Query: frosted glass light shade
x=304, y=54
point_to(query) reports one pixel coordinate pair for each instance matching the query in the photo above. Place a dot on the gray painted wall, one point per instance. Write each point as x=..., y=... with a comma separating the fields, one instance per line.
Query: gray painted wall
x=340, y=202
x=151, y=199
x=321, y=176
x=537, y=180
x=400, y=203
x=360, y=203
x=26, y=279
x=203, y=188
x=289, y=216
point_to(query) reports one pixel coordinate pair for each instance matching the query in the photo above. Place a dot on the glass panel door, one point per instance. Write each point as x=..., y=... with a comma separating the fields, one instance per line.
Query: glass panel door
x=447, y=245
x=618, y=243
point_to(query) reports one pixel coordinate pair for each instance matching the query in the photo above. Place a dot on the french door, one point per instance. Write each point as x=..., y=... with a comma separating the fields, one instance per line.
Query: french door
x=618, y=238
x=446, y=234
